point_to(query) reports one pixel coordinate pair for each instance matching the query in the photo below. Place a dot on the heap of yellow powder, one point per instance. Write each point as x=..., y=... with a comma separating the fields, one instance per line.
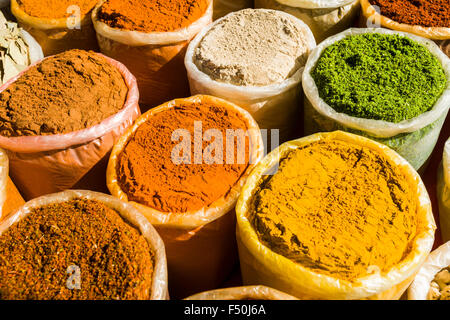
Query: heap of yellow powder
x=337, y=208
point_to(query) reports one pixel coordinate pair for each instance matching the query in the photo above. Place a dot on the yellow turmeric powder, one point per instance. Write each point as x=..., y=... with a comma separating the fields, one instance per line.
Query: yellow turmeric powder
x=337, y=208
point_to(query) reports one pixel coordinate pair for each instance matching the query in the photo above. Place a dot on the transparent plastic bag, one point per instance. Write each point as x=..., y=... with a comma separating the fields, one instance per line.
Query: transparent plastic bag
x=10, y=198
x=130, y=215
x=273, y=107
x=325, y=18
x=200, y=245
x=156, y=59
x=56, y=35
x=242, y=293
x=46, y=164
x=260, y=265
x=413, y=139
x=224, y=7
x=436, y=261
x=443, y=187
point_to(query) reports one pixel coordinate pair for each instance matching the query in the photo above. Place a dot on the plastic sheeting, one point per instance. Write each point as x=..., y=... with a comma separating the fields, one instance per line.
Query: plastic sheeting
x=443, y=187
x=260, y=265
x=243, y=293
x=200, y=245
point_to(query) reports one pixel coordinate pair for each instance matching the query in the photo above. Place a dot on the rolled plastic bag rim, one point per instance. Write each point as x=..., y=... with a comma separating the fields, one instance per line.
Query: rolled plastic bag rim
x=377, y=128
x=316, y=4
x=446, y=162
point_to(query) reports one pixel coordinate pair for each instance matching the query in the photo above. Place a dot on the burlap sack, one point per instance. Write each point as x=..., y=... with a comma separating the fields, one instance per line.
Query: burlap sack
x=242, y=293
x=325, y=18
x=46, y=164
x=57, y=35
x=260, y=265
x=127, y=212
x=413, y=139
x=436, y=261
x=156, y=59
x=200, y=245
x=224, y=7
x=443, y=193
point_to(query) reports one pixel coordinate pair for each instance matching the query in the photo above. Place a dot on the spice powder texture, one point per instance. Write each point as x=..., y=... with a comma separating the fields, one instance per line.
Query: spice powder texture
x=152, y=16
x=337, y=209
x=67, y=92
x=114, y=259
x=55, y=9
x=148, y=175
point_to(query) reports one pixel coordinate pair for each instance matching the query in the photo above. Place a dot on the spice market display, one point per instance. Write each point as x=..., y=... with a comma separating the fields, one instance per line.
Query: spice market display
x=224, y=150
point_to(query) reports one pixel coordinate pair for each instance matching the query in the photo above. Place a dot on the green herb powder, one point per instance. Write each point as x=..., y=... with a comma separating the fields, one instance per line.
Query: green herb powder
x=378, y=76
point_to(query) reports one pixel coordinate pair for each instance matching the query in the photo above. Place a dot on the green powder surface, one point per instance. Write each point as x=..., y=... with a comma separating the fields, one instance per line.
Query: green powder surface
x=379, y=76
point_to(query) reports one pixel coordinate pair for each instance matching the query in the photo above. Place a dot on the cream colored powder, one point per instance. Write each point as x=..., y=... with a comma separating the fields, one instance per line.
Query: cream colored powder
x=253, y=48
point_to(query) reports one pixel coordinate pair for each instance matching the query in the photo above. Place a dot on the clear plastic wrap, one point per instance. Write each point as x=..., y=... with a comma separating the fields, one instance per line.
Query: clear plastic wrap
x=325, y=18
x=260, y=265
x=436, y=261
x=130, y=215
x=10, y=198
x=224, y=7
x=188, y=236
x=273, y=107
x=242, y=293
x=443, y=192
x=413, y=139
x=46, y=164
x=54, y=35
x=156, y=59
x=4, y=168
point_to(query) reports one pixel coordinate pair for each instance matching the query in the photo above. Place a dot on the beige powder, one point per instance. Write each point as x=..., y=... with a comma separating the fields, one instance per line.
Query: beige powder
x=253, y=48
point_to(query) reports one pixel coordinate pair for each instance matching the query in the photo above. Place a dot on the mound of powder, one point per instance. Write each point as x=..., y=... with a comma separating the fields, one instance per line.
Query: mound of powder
x=71, y=91
x=55, y=9
x=337, y=208
x=253, y=48
x=148, y=175
x=152, y=16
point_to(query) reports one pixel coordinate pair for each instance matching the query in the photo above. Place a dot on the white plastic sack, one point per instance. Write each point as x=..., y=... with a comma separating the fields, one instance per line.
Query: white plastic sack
x=444, y=193
x=224, y=7
x=325, y=18
x=273, y=107
x=126, y=211
x=414, y=139
x=436, y=261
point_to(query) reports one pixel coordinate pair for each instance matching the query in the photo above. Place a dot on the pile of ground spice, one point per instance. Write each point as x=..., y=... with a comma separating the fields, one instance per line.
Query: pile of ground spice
x=114, y=259
x=337, y=208
x=67, y=92
x=148, y=174
x=253, y=48
x=427, y=13
x=440, y=286
x=379, y=76
x=152, y=16
x=55, y=9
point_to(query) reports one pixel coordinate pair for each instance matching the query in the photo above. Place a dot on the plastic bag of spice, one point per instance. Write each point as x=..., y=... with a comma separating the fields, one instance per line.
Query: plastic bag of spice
x=325, y=18
x=224, y=7
x=50, y=163
x=156, y=58
x=443, y=187
x=57, y=35
x=130, y=215
x=261, y=265
x=189, y=235
x=10, y=198
x=413, y=139
x=243, y=293
x=438, y=259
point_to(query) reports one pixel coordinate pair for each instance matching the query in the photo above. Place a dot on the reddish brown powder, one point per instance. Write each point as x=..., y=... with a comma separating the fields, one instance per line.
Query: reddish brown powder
x=427, y=13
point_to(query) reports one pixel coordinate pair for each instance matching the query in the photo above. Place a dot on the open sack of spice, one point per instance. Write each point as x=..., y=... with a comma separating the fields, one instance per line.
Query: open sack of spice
x=186, y=185
x=390, y=86
x=433, y=280
x=443, y=187
x=242, y=293
x=325, y=18
x=60, y=117
x=255, y=59
x=224, y=7
x=57, y=25
x=81, y=245
x=151, y=41
x=334, y=216
x=10, y=199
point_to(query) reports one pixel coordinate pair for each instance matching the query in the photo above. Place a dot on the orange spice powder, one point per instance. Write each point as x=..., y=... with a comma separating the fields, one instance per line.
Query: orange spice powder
x=55, y=9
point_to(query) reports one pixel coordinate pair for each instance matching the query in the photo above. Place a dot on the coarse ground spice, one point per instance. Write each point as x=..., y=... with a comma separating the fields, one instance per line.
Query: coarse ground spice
x=55, y=9
x=337, y=208
x=67, y=92
x=152, y=16
x=114, y=259
x=427, y=13
x=146, y=171
x=379, y=76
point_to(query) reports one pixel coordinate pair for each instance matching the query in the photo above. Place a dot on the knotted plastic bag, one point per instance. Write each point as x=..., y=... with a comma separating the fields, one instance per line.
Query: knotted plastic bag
x=242, y=293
